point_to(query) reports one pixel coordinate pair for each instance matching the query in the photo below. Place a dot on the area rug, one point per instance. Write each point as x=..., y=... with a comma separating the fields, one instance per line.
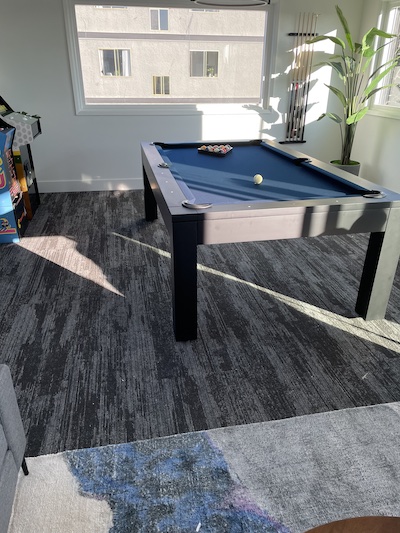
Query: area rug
x=282, y=476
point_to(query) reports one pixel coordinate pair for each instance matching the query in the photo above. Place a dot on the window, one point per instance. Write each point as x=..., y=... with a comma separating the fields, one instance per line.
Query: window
x=159, y=19
x=160, y=84
x=111, y=7
x=389, y=97
x=219, y=58
x=115, y=62
x=204, y=64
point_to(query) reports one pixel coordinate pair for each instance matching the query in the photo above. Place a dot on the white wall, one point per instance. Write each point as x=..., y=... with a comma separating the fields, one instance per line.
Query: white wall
x=102, y=152
x=323, y=138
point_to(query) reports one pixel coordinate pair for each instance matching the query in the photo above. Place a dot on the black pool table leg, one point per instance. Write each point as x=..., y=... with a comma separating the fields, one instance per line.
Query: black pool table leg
x=150, y=204
x=380, y=266
x=184, y=279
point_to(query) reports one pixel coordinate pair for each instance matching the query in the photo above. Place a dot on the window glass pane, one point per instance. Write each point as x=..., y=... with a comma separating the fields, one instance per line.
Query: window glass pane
x=154, y=19
x=197, y=62
x=115, y=62
x=166, y=85
x=156, y=85
x=394, y=95
x=124, y=61
x=161, y=84
x=108, y=63
x=212, y=64
x=393, y=98
x=163, y=19
x=390, y=94
x=215, y=56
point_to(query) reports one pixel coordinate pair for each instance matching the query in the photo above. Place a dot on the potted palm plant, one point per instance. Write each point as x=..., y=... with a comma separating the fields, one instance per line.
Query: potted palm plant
x=360, y=79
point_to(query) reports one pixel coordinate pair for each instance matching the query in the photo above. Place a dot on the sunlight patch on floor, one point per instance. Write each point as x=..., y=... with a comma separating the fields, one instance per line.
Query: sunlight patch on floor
x=354, y=326
x=63, y=252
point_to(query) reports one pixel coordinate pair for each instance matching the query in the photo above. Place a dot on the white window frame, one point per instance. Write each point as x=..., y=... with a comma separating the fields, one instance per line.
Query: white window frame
x=81, y=108
x=117, y=60
x=159, y=9
x=162, y=84
x=376, y=108
x=205, y=63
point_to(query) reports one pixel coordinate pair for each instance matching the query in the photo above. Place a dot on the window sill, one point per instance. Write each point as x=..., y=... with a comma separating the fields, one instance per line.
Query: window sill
x=385, y=111
x=173, y=110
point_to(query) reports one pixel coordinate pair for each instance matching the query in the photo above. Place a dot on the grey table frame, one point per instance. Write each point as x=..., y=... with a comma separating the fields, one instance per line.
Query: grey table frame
x=271, y=221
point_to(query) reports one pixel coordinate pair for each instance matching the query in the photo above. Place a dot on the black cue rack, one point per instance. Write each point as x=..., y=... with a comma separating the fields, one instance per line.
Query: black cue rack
x=300, y=78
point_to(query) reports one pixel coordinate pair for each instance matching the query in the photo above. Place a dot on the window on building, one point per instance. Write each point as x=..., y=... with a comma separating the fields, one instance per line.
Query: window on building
x=115, y=62
x=232, y=46
x=204, y=64
x=159, y=19
x=111, y=7
x=161, y=85
x=389, y=97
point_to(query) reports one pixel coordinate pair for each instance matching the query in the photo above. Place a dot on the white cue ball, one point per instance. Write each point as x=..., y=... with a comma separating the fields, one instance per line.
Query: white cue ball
x=258, y=179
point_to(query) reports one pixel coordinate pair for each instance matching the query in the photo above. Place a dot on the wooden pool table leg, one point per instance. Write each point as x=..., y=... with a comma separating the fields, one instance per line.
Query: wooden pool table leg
x=380, y=266
x=184, y=279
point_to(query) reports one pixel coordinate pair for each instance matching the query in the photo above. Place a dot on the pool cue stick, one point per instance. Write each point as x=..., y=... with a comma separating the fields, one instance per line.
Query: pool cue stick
x=307, y=51
x=310, y=56
x=290, y=112
x=300, y=76
x=294, y=82
x=291, y=101
x=292, y=95
x=303, y=76
x=298, y=79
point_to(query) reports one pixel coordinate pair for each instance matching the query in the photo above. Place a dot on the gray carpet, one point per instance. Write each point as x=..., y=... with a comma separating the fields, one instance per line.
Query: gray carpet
x=86, y=329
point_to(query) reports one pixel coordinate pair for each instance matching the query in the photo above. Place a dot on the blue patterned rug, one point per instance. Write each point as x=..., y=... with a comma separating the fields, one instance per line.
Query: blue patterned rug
x=285, y=476
x=174, y=484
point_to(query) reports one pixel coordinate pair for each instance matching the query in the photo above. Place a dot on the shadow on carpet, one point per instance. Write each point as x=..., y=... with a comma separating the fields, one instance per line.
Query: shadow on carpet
x=282, y=476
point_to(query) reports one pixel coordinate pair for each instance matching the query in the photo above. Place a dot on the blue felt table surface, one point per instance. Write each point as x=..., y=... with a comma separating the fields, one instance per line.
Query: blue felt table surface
x=220, y=180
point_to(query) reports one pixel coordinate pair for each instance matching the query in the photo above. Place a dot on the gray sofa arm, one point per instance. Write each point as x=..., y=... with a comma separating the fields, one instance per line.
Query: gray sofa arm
x=10, y=418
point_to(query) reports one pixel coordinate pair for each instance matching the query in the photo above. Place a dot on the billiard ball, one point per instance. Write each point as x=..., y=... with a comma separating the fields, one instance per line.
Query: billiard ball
x=257, y=179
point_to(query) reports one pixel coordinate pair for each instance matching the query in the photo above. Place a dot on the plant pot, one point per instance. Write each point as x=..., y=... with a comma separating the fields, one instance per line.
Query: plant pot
x=353, y=168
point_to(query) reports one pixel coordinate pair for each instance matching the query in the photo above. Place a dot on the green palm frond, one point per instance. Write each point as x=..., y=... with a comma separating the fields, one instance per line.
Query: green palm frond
x=353, y=66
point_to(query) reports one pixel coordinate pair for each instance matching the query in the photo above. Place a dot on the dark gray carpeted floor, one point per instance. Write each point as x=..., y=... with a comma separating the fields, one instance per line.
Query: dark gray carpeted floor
x=86, y=329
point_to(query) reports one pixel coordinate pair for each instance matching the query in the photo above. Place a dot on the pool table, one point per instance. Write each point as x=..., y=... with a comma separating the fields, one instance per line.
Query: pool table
x=209, y=198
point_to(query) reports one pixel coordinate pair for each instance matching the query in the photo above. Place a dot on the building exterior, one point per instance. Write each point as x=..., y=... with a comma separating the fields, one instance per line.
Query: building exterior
x=149, y=55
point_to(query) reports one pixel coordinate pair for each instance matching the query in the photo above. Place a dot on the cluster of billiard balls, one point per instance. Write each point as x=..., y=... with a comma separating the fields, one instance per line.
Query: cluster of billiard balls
x=223, y=149
x=216, y=148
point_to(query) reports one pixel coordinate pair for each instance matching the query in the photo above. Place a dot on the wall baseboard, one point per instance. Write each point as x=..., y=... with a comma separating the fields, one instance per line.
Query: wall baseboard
x=90, y=186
